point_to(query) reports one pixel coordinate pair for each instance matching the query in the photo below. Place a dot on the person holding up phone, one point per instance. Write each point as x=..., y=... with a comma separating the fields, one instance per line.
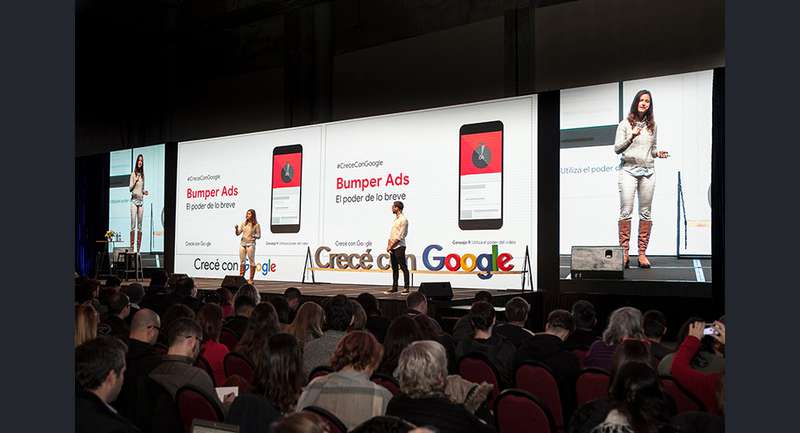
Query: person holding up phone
x=635, y=143
x=397, y=247
x=706, y=387
x=250, y=231
x=136, y=188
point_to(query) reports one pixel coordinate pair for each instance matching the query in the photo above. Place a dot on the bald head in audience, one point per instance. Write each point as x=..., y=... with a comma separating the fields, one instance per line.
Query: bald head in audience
x=145, y=326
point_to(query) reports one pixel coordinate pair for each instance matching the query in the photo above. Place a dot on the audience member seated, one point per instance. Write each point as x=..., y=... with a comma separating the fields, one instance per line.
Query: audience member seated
x=348, y=392
x=263, y=324
x=517, y=315
x=422, y=374
x=85, y=324
x=242, y=309
x=432, y=331
x=338, y=315
x=114, y=324
x=86, y=292
x=113, y=283
x=175, y=312
x=705, y=386
x=708, y=359
x=463, y=327
x=402, y=331
x=140, y=361
x=654, y=324
x=631, y=351
x=210, y=319
x=307, y=324
x=376, y=324
x=100, y=373
x=625, y=322
x=294, y=298
x=384, y=424
x=499, y=350
x=300, y=422
x=359, y=322
x=637, y=402
x=135, y=292
x=250, y=291
x=177, y=367
x=548, y=347
x=282, y=308
x=187, y=294
x=226, y=301
x=585, y=321
x=416, y=303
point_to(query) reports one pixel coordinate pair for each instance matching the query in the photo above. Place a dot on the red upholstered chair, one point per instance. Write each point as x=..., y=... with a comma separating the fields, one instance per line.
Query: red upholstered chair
x=236, y=363
x=194, y=404
x=685, y=401
x=319, y=371
x=229, y=339
x=592, y=384
x=517, y=411
x=476, y=367
x=580, y=352
x=537, y=379
x=387, y=382
x=203, y=364
x=335, y=425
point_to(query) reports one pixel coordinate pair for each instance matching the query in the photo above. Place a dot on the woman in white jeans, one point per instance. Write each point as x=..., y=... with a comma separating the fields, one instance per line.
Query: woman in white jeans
x=136, y=188
x=250, y=231
x=635, y=143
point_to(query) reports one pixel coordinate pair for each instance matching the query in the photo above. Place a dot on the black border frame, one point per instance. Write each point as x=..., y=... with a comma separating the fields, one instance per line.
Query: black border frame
x=476, y=128
x=286, y=150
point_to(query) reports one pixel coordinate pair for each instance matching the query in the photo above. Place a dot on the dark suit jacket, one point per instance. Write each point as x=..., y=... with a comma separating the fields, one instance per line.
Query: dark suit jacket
x=438, y=412
x=551, y=351
x=93, y=416
x=141, y=359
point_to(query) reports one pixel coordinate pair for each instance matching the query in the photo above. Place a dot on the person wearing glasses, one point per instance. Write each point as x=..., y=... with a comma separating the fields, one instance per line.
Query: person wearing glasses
x=141, y=359
x=177, y=367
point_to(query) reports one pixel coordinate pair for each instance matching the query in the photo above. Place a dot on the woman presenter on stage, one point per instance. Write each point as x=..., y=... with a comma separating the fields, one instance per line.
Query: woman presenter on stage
x=635, y=143
x=250, y=231
x=136, y=187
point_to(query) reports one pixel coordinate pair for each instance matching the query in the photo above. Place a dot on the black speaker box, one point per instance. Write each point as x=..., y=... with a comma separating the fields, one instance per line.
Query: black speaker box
x=437, y=291
x=233, y=282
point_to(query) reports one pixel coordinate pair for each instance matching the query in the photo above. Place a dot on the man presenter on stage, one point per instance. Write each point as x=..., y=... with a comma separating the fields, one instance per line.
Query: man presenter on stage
x=397, y=247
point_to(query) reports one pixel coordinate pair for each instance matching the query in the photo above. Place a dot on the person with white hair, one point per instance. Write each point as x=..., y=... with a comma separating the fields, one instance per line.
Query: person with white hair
x=625, y=323
x=422, y=374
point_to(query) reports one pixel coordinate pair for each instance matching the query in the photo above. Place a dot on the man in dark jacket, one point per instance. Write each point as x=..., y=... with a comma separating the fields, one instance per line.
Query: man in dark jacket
x=548, y=348
x=585, y=317
x=100, y=373
x=499, y=350
x=514, y=330
x=463, y=327
x=243, y=307
x=141, y=359
x=114, y=324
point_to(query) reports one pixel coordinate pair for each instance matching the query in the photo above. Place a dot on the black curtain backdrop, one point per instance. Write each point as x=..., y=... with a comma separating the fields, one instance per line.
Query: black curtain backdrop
x=91, y=209
x=718, y=191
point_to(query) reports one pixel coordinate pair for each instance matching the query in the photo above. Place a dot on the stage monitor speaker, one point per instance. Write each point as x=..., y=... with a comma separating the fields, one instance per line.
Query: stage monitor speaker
x=437, y=291
x=597, y=263
x=174, y=278
x=233, y=282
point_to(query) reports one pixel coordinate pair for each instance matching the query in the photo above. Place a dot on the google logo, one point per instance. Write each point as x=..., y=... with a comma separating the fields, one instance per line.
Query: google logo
x=487, y=262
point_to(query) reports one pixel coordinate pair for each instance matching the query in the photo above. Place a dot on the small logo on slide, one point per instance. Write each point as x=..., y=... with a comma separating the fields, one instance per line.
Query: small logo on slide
x=481, y=156
x=287, y=173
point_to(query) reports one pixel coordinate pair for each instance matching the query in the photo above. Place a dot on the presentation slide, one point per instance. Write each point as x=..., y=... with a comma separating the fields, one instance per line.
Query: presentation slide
x=466, y=175
x=128, y=213
x=590, y=169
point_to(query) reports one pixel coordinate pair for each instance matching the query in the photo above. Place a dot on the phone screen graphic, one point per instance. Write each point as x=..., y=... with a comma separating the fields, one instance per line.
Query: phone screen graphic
x=481, y=176
x=287, y=177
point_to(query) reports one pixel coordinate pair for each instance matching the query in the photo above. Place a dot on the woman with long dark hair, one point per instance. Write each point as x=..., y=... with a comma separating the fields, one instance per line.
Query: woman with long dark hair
x=635, y=143
x=281, y=378
x=638, y=403
x=250, y=231
x=136, y=188
x=402, y=331
x=262, y=325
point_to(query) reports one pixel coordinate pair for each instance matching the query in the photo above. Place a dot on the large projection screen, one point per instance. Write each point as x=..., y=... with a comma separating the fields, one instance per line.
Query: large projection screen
x=465, y=173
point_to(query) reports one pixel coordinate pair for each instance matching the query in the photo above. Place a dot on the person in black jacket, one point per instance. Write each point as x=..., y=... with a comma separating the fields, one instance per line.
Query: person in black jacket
x=376, y=324
x=99, y=373
x=585, y=317
x=422, y=373
x=243, y=307
x=499, y=350
x=114, y=324
x=548, y=348
x=141, y=359
x=517, y=315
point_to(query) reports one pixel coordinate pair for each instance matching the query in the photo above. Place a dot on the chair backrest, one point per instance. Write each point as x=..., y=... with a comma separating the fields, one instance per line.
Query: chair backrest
x=236, y=363
x=476, y=367
x=517, y=411
x=580, y=353
x=195, y=404
x=335, y=425
x=202, y=363
x=685, y=401
x=160, y=413
x=537, y=379
x=229, y=339
x=592, y=384
x=387, y=382
x=319, y=371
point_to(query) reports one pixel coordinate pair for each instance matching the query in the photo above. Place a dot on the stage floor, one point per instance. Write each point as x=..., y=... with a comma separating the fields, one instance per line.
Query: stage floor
x=663, y=268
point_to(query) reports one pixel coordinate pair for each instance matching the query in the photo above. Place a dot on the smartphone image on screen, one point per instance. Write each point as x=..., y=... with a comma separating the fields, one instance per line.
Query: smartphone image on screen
x=480, y=176
x=287, y=185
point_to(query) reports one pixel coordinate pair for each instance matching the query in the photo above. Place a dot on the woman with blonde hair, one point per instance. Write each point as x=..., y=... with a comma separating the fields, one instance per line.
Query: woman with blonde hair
x=307, y=324
x=85, y=324
x=359, y=317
